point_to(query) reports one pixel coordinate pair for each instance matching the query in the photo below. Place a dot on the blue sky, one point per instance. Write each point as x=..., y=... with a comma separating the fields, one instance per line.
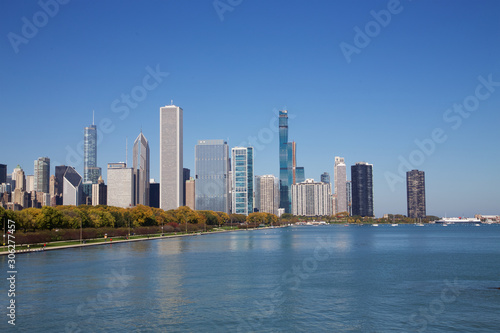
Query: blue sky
x=231, y=76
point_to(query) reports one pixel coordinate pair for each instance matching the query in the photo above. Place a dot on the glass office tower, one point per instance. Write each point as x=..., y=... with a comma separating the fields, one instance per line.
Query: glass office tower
x=286, y=162
x=362, y=189
x=212, y=175
x=242, y=180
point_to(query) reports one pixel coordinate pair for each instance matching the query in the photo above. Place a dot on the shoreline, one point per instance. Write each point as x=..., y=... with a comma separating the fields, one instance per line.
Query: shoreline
x=145, y=238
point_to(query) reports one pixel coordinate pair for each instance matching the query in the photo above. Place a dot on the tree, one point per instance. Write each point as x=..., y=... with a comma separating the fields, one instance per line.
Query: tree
x=223, y=217
x=49, y=218
x=237, y=218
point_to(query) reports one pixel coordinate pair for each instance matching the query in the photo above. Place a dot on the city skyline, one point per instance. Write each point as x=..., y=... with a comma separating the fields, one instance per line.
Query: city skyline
x=363, y=109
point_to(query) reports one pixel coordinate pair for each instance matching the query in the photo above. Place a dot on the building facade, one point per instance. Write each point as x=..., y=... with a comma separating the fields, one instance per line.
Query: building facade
x=286, y=162
x=340, y=178
x=140, y=162
x=362, y=189
x=242, y=180
x=212, y=182
x=42, y=174
x=268, y=192
x=3, y=173
x=99, y=193
x=325, y=178
x=415, y=194
x=311, y=199
x=72, y=187
x=171, y=157
x=121, y=185
x=91, y=172
x=191, y=193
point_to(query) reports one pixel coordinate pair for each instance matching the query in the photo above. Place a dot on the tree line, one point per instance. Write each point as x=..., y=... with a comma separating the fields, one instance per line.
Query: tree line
x=74, y=217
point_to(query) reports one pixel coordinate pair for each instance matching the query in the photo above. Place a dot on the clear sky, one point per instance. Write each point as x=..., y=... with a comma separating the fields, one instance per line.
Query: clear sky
x=360, y=79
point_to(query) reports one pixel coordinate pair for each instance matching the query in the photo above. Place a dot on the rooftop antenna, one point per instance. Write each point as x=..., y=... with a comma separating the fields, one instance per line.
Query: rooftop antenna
x=171, y=102
x=126, y=151
x=93, y=117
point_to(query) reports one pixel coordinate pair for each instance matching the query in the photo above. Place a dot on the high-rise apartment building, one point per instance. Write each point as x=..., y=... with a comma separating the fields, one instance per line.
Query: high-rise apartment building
x=415, y=190
x=140, y=162
x=91, y=172
x=121, y=185
x=30, y=183
x=171, y=158
x=212, y=182
x=268, y=191
x=340, y=178
x=72, y=187
x=42, y=174
x=242, y=182
x=362, y=189
x=311, y=199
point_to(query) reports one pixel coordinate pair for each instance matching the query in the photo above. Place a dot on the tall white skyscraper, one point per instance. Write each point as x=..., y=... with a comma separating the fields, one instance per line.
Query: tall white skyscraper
x=339, y=174
x=242, y=180
x=171, y=161
x=141, y=170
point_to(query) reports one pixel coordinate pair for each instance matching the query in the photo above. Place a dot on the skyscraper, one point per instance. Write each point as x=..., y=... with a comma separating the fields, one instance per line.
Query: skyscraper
x=242, y=182
x=42, y=174
x=99, y=193
x=348, y=191
x=340, y=178
x=186, y=175
x=19, y=178
x=171, y=158
x=121, y=186
x=257, y=196
x=91, y=172
x=60, y=171
x=212, y=180
x=191, y=193
x=268, y=189
x=3, y=173
x=311, y=199
x=325, y=178
x=72, y=187
x=286, y=162
x=300, y=176
x=362, y=189
x=154, y=194
x=415, y=190
x=140, y=163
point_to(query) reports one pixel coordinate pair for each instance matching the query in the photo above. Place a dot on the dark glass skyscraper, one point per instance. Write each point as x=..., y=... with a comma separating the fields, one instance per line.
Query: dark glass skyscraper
x=325, y=178
x=91, y=172
x=186, y=174
x=286, y=163
x=212, y=175
x=3, y=173
x=362, y=189
x=415, y=190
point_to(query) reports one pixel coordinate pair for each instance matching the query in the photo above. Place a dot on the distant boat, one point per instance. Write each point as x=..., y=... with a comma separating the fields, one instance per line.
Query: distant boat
x=477, y=224
x=394, y=224
x=458, y=220
x=419, y=224
x=375, y=225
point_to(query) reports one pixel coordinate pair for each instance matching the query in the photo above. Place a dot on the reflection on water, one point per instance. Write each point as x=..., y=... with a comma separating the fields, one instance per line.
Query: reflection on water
x=302, y=279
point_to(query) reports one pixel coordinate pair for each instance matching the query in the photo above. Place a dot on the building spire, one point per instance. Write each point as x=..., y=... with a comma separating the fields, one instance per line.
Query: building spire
x=93, y=117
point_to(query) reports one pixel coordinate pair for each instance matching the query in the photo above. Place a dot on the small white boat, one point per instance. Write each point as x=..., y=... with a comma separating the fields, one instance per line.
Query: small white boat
x=394, y=224
x=419, y=224
x=477, y=224
x=445, y=224
x=375, y=225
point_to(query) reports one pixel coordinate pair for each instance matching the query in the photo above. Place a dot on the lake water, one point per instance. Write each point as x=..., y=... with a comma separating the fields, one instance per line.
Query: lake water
x=295, y=279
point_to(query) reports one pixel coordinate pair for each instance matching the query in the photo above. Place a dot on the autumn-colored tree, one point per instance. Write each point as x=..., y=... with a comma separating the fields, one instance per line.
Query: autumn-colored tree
x=49, y=218
x=237, y=218
x=223, y=218
x=142, y=216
